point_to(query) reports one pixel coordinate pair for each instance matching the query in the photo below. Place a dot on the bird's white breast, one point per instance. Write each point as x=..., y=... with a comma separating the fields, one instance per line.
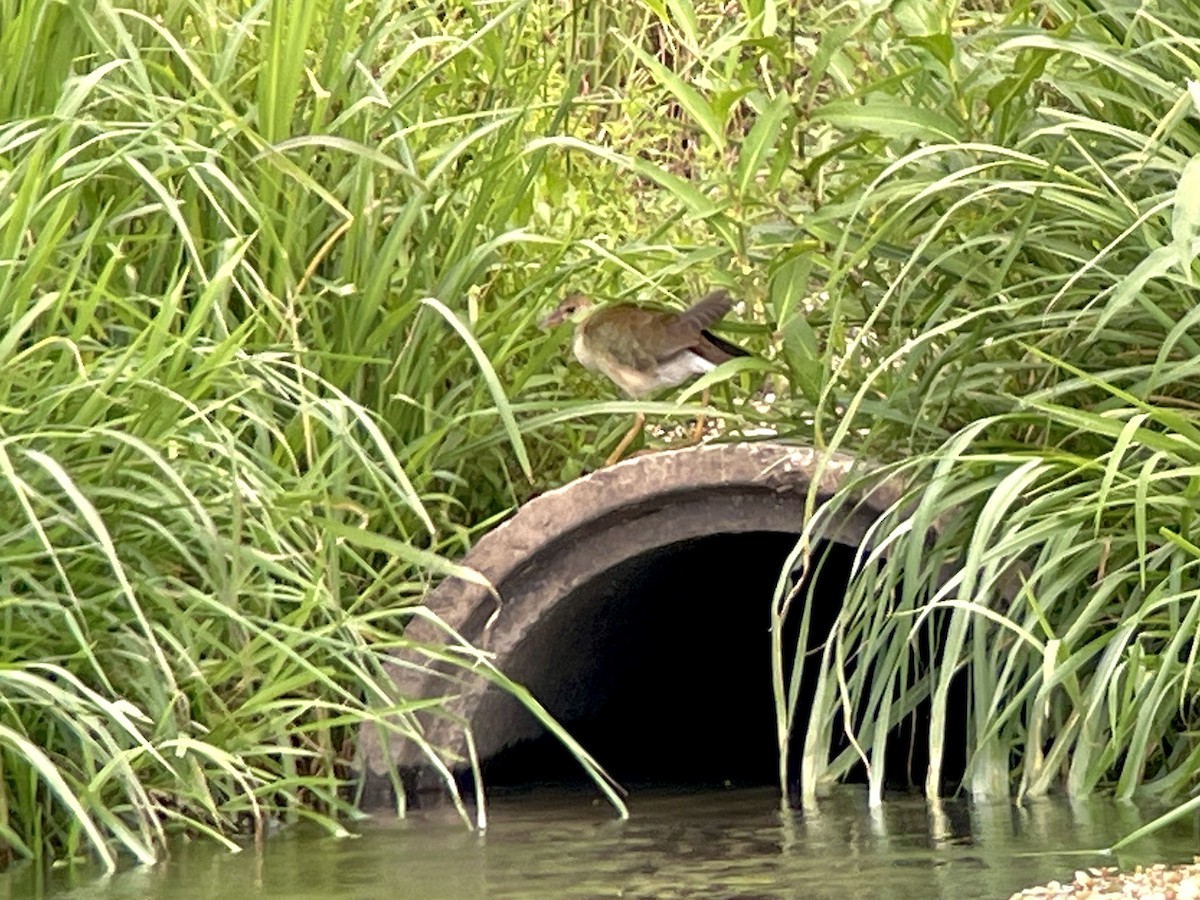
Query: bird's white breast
x=585, y=357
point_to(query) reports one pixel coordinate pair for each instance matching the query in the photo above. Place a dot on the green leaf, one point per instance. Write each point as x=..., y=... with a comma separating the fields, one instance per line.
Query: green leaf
x=49, y=772
x=789, y=282
x=890, y=118
x=802, y=352
x=1028, y=67
x=722, y=100
x=920, y=18
x=724, y=372
x=693, y=103
x=761, y=140
x=78, y=90
x=425, y=559
x=683, y=14
x=1156, y=264
x=940, y=46
x=1185, y=809
x=491, y=379
x=659, y=8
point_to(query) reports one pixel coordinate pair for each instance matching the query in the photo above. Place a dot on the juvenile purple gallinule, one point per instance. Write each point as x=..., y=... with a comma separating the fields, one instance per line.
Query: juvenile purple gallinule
x=643, y=350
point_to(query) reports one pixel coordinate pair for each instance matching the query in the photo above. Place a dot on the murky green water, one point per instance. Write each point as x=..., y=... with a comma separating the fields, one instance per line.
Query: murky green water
x=702, y=845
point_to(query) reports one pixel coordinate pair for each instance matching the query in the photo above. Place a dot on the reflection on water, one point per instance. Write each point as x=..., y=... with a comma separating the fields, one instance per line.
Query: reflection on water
x=736, y=843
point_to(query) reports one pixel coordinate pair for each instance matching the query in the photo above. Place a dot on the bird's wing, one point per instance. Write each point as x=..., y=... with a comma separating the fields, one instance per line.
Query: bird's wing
x=625, y=335
x=683, y=331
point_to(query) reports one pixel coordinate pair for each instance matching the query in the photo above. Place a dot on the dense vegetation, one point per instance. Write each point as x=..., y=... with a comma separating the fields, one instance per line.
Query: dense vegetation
x=267, y=283
x=1017, y=277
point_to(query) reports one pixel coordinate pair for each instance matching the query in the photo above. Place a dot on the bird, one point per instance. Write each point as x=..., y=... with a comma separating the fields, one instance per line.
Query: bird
x=645, y=350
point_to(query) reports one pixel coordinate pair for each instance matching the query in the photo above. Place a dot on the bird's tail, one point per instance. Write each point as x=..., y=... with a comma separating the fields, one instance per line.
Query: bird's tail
x=705, y=312
x=717, y=350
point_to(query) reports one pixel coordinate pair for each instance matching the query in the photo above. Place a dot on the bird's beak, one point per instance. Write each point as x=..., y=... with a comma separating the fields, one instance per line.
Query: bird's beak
x=556, y=317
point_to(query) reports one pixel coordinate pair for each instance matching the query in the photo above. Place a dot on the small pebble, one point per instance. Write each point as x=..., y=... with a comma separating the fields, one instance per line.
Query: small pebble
x=1157, y=882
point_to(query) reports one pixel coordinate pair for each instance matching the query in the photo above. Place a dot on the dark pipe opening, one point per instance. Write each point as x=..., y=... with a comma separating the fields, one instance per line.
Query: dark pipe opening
x=661, y=669
x=661, y=666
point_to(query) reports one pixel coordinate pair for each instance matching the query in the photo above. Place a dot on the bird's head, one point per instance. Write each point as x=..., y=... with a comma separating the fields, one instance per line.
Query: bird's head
x=571, y=309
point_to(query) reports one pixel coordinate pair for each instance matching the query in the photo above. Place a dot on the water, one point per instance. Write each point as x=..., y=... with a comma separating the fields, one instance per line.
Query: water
x=714, y=844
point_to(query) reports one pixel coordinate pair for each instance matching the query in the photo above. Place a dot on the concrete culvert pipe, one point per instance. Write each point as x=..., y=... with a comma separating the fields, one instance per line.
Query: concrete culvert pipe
x=636, y=609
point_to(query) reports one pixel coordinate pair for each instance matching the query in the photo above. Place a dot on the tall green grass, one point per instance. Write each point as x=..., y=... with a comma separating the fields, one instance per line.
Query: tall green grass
x=266, y=277
x=268, y=280
x=1010, y=289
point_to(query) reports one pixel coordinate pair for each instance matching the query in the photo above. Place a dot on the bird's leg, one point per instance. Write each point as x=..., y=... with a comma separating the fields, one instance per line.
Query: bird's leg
x=638, y=421
x=698, y=429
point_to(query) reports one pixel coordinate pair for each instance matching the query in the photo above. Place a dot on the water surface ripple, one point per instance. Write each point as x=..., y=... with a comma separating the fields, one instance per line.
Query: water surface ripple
x=712, y=844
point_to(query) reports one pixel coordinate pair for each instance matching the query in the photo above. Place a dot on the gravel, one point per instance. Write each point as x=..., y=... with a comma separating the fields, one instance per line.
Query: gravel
x=1158, y=882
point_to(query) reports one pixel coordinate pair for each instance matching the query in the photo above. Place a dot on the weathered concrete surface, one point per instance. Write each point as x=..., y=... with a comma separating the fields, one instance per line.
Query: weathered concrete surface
x=564, y=539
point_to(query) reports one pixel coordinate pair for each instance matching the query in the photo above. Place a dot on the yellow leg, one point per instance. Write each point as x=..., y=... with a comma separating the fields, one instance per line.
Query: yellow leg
x=638, y=421
x=698, y=429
